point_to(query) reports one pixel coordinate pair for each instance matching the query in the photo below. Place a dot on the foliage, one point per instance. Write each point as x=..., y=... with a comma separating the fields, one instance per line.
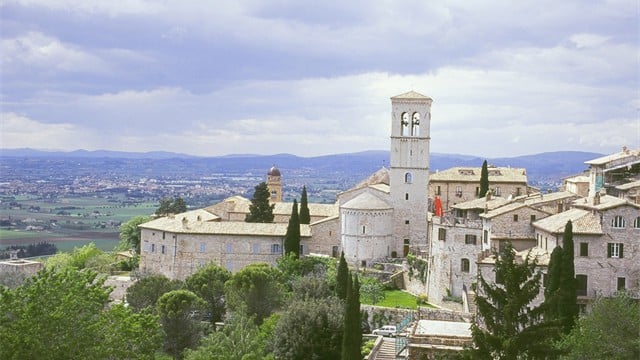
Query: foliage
x=352, y=336
x=311, y=287
x=310, y=329
x=418, y=268
x=256, y=289
x=30, y=250
x=171, y=206
x=145, y=292
x=512, y=329
x=62, y=314
x=292, y=237
x=371, y=290
x=609, y=331
x=260, y=211
x=130, y=234
x=567, y=292
x=85, y=257
x=367, y=347
x=240, y=339
x=342, y=278
x=305, y=216
x=208, y=284
x=182, y=330
x=484, y=180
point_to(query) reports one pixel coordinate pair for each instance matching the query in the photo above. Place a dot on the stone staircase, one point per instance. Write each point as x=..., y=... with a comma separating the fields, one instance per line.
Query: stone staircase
x=387, y=349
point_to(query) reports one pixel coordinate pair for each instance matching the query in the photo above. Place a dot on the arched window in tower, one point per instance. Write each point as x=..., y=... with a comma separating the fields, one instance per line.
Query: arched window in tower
x=404, y=123
x=415, y=124
x=408, y=178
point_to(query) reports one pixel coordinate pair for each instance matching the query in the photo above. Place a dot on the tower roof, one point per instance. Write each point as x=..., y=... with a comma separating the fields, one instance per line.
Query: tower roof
x=411, y=95
x=274, y=171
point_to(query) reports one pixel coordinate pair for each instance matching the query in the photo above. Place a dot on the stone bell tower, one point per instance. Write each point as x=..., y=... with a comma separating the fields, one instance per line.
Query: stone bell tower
x=274, y=184
x=409, y=169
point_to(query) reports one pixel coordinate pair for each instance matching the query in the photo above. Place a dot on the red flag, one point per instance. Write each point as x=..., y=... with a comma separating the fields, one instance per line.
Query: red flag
x=438, y=206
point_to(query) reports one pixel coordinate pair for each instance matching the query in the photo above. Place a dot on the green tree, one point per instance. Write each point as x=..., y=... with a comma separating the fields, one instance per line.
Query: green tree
x=610, y=331
x=342, y=278
x=182, y=329
x=310, y=329
x=63, y=314
x=130, y=233
x=256, y=290
x=239, y=340
x=554, y=278
x=260, y=211
x=208, y=284
x=507, y=327
x=84, y=257
x=484, y=180
x=567, y=292
x=292, y=237
x=352, y=336
x=145, y=292
x=305, y=216
x=372, y=290
x=171, y=206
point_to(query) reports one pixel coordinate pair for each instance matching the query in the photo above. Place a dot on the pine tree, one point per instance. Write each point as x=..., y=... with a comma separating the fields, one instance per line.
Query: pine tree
x=305, y=217
x=292, y=238
x=342, y=277
x=567, y=296
x=507, y=327
x=260, y=211
x=352, y=336
x=484, y=180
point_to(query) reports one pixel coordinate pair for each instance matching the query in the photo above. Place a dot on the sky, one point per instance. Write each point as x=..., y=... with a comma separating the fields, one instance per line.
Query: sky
x=212, y=78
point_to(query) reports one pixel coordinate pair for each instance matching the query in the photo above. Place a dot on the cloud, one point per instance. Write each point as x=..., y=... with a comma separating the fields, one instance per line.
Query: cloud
x=19, y=131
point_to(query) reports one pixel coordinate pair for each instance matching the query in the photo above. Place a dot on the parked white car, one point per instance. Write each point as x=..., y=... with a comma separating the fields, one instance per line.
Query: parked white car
x=387, y=330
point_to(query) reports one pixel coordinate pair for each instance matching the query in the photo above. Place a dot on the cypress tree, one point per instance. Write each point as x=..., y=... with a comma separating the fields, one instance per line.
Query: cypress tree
x=342, y=277
x=554, y=278
x=292, y=238
x=305, y=217
x=567, y=296
x=260, y=211
x=484, y=180
x=352, y=336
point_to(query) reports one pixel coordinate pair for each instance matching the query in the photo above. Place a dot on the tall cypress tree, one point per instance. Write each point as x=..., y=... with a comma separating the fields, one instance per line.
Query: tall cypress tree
x=352, y=336
x=554, y=278
x=292, y=238
x=305, y=217
x=342, y=277
x=567, y=296
x=484, y=180
x=260, y=211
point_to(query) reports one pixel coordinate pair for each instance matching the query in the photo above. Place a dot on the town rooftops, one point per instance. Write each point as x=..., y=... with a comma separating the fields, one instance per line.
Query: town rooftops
x=617, y=160
x=472, y=174
x=541, y=198
x=239, y=204
x=503, y=210
x=367, y=201
x=629, y=185
x=606, y=202
x=481, y=203
x=583, y=222
x=411, y=95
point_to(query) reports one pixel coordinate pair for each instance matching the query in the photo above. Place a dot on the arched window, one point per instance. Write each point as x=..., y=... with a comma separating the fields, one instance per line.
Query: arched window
x=636, y=223
x=408, y=178
x=404, y=123
x=464, y=265
x=415, y=124
x=617, y=222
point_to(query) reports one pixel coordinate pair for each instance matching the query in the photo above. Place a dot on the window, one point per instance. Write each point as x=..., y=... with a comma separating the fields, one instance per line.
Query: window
x=301, y=249
x=470, y=239
x=406, y=222
x=442, y=234
x=203, y=247
x=406, y=196
x=438, y=191
x=515, y=217
x=459, y=191
x=486, y=236
x=636, y=223
x=617, y=222
x=153, y=248
x=275, y=249
x=163, y=234
x=584, y=249
x=256, y=249
x=464, y=265
x=229, y=249
x=533, y=218
x=334, y=251
x=364, y=229
x=162, y=249
x=581, y=285
x=408, y=178
x=477, y=191
x=497, y=191
x=615, y=250
x=622, y=283
x=518, y=191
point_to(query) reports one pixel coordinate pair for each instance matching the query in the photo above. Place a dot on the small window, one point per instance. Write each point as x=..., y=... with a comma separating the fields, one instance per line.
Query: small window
x=622, y=284
x=497, y=191
x=162, y=249
x=153, y=248
x=163, y=235
x=442, y=234
x=515, y=217
x=256, y=249
x=301, y=249
x=275, y=249
x=406, y=196
x=203, y=247
x=477, y=191
x=229, y=249
x=615, y=250
x=518, y=191
x=464, y=265
x=486, y=236
x=636, y=223
x=438, y=191
x=584, y=249
x=363, y=263
x=459, y=191
x=406, y=222
x=408, y=178
x=617, y=222
x=364, y=229
x=581, y=285
x=470, y=239
x=533, y=218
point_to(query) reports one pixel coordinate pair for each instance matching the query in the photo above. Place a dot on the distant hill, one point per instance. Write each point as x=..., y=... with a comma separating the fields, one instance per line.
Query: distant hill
x=542, y=168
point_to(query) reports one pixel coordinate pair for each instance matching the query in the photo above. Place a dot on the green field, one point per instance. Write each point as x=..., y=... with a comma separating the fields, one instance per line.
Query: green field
x=68, y=222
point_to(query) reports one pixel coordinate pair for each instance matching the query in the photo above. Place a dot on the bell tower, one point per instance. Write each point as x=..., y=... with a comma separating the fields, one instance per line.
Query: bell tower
x=409, y=169
x=274, y=184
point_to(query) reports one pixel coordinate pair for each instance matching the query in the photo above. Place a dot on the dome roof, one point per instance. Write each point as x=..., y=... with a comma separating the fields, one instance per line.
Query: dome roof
x=366, y=201
x=274, y=171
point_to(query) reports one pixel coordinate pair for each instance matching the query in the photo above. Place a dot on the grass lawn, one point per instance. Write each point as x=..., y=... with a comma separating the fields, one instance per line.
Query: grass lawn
x=399, y=299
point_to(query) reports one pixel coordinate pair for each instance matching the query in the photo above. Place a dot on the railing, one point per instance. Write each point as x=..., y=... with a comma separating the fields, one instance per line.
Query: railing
x=401, y=340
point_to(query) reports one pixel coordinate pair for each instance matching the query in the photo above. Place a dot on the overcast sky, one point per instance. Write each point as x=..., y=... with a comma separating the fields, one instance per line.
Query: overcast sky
x=227, y=77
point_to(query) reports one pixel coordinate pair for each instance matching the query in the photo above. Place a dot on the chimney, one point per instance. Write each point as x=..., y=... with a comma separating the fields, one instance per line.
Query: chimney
x=596, y=199
x=488, y=195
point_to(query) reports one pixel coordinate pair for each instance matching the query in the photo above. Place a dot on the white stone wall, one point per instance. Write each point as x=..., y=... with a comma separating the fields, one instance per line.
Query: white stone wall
x=366, y=235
